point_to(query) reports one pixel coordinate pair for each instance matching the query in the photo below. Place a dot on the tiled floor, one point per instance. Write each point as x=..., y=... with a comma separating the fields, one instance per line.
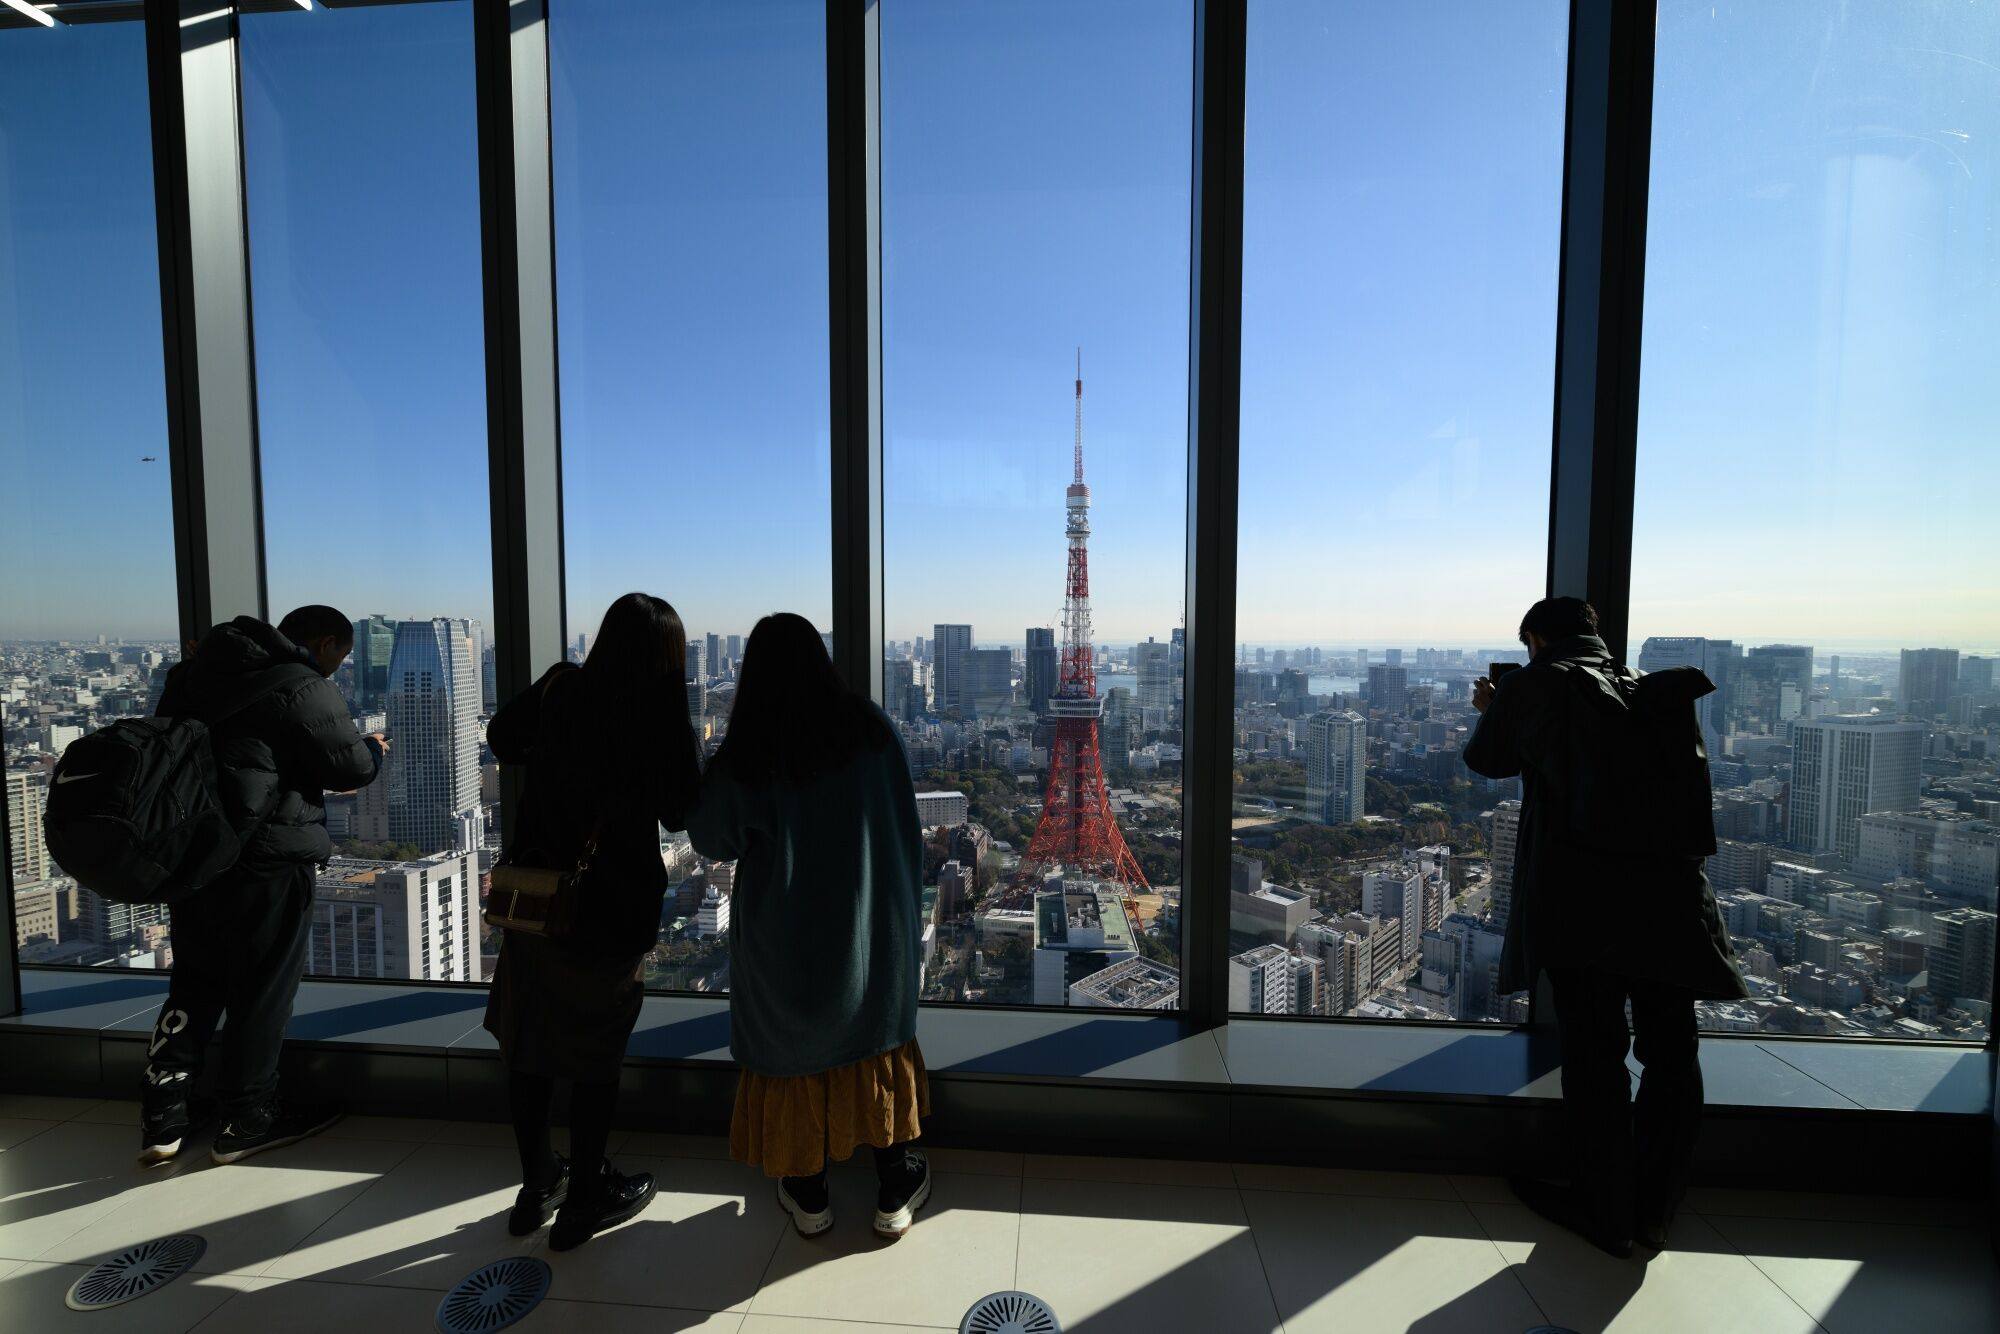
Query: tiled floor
x=364, y=1228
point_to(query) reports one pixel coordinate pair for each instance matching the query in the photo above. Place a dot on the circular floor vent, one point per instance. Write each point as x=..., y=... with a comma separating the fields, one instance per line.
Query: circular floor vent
x=494, y=1297
x=133, y=1273
x=1010, y=1313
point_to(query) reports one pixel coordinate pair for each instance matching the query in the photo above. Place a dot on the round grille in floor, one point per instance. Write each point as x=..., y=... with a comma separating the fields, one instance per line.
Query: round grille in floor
x=494, y=1296
x=135, y=1272
x=1010, y=1313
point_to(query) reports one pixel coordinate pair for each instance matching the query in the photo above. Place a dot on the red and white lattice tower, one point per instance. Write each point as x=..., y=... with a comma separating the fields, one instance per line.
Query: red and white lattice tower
x=1077, y=830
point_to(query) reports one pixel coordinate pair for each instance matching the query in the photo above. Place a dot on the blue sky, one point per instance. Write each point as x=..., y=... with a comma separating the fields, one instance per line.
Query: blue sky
x=1818, y=402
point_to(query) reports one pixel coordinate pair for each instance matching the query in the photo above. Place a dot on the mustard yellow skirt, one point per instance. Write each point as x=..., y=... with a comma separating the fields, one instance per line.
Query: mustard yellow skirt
x=795, y=1126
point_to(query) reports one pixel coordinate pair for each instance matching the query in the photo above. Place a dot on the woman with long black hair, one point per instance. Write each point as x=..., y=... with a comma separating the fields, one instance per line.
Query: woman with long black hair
x=610, y=757
x=810, y=794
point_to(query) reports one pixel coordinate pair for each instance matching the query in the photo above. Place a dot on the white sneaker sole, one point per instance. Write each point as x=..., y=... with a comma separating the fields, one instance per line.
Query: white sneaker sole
x=153, y=1155
x=808, y=1223
x=893, y=1226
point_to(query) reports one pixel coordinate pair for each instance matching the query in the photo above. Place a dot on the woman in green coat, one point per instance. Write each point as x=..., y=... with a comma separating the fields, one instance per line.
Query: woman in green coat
x=810, y=795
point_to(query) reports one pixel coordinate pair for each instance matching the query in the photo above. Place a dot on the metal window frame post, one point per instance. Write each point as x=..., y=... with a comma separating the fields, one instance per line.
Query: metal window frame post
x=854, y=348
x=1215, y=375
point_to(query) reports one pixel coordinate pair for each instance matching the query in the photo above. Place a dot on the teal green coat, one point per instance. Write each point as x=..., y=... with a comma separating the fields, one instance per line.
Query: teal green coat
x=825, y=939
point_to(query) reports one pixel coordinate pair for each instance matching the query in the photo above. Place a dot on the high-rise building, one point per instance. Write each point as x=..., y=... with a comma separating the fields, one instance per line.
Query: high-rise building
x=489, y=679
x=1308, y=984
x=374, y=645
x=415, y=920
x=950, y=682
x=1336, y=766
x=1713, y=657
x=1927, y=681
x=697, y=686
x=711, y=919
x=432, y=769
x=1396, y=891
x=1769, y=686
x=711, y=657
x=1960, y=956
x=900, y=698
x=1261, y=981
x=1847, y=767
x=28, y=854
x=1116, y=728
x=955, y=882
x=1975, y=675
x=1844, y=767
x=989, y=680
x=1506, y=843
x=1152, y=663
x=1389, y=688
x=1039, y=668
x=1340, y=954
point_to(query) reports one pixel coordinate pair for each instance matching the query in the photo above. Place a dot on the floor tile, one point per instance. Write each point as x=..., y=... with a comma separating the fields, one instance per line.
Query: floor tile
x=491, y=1134
x=1136, y=1171
x=1118, y=1256
x=1343, y=1263
x=250, y=1213
x=440, y=1214
x=298, y=1307
x=31, y=1301
x=648, y=1144
x=18, y=1130
x=560, y=1317
x=1731, y=1203
x=75, y=1174
x=961, y=1249
x=112, y=1112
x=1859, y=1278
x=1483, y=1190
x=702, y=1243
x=37, y=1107
x=395, y=1129
x=1344, y=1181
x=975, y=1162
x=788, y=1324
x=1698, y=1283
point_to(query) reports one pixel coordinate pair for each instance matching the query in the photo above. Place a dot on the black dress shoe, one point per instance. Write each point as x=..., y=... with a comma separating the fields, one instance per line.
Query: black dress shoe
x=613, y=1199
x=535, y=1206
x=1560, y=1205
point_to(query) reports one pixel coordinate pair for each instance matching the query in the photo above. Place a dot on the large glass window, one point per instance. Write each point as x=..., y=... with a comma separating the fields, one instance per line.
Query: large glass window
x=1036, y=168
x=88, y=609
x=1814, y=524
x=1402, y=197
x=690, y=166
x=361, y=174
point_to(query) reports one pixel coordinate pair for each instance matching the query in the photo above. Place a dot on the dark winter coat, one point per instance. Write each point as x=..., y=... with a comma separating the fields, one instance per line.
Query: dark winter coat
x=585, y=764
x=1616, y=817
x=277, y=757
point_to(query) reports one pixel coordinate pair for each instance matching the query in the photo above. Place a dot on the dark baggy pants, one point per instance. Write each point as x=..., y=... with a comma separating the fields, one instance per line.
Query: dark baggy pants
x=239, y=949
x=1631, y=1155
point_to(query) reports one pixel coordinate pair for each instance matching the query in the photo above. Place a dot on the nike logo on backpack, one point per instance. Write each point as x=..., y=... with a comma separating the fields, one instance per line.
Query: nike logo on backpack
x=71, y=778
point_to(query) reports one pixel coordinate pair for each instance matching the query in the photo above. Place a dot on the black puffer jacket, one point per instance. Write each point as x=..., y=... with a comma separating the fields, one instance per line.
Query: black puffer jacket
x=290, y=740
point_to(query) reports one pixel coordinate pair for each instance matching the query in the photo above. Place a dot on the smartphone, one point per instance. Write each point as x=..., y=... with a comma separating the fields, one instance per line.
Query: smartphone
x=1496, y=670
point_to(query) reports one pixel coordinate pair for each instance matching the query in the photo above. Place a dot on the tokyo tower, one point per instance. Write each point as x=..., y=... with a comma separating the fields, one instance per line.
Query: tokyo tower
x=1077, y=830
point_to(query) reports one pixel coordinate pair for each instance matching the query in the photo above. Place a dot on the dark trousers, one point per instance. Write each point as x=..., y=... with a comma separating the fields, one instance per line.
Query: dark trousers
x=239, y=949
x=1631, y=1155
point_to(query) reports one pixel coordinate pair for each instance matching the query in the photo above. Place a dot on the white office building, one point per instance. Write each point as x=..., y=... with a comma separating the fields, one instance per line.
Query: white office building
x=1844, y=767
x=1336, y=766
x=432, y=770
x=414, y=920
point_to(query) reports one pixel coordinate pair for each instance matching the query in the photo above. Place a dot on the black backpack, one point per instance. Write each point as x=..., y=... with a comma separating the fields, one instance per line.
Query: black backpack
x=1636, y=780
x=133, y=813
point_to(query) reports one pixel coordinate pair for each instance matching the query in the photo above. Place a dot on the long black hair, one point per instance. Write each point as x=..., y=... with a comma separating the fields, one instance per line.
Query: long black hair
x=637, y=669
x=794, y=719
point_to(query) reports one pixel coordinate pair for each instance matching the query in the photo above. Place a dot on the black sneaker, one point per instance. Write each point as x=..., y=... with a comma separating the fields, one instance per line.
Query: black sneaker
x=897, y=1202
x=616, y=1199
x=535, y=1206
x=271, y=1126
x=164, y=1121
x=809, y=1203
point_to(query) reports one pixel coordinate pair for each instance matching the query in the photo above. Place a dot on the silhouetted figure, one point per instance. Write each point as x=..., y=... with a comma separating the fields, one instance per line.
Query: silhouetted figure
x=281, y=737
x=1610, y=898
x=610, y=758
x=811, y=794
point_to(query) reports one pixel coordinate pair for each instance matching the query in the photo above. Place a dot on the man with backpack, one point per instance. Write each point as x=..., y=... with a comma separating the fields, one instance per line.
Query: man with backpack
x=1610, y=899
x=281, y=736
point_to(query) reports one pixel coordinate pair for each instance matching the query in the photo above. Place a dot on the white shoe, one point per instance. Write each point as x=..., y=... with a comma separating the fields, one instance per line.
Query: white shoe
x=893, y=1223
x=810, y=1223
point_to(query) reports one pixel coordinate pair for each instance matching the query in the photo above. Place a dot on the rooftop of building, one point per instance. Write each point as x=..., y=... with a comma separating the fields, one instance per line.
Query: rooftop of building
x=1085, y=907
x=1130, y=984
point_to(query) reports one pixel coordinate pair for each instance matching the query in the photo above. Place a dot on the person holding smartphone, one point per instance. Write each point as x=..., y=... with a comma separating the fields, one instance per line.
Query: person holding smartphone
x=1610, y=900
